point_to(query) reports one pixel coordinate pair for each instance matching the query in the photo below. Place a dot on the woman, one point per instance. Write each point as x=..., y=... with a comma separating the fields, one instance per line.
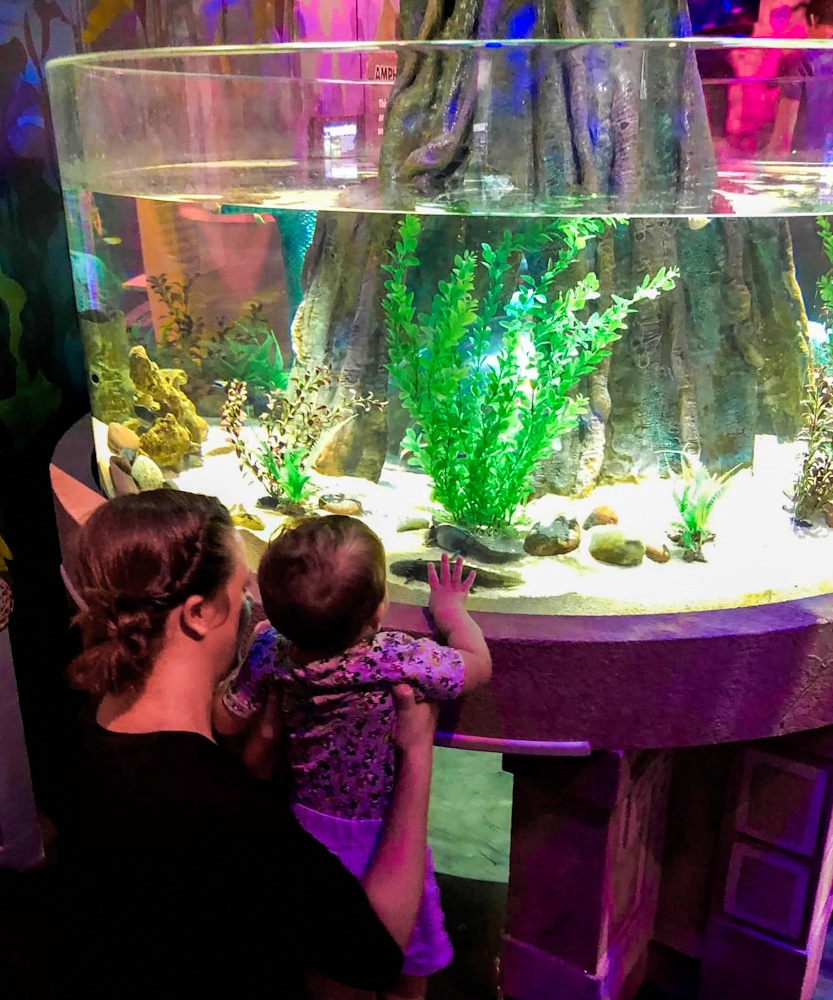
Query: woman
x=182, y=875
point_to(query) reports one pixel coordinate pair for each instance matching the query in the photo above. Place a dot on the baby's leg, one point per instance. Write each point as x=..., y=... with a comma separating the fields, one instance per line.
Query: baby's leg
x=408, y=988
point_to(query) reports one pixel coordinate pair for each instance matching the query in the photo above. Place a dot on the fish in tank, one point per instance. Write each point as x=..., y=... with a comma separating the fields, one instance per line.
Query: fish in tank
x=589, y=353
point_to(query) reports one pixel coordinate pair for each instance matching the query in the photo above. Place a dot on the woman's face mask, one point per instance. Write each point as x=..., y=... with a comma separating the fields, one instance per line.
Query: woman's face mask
x=244, y=620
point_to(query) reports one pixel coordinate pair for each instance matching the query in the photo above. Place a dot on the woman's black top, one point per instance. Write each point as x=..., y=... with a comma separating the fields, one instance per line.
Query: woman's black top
x=183, y=876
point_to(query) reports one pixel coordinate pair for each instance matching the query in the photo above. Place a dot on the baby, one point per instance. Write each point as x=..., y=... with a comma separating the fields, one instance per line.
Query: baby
x=324, y=590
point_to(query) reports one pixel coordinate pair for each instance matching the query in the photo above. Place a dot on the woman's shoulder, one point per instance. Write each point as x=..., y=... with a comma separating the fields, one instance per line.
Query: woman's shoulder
x=177, y=770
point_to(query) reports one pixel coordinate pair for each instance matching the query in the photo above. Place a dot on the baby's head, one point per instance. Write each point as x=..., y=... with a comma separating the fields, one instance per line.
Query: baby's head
x=322, y=582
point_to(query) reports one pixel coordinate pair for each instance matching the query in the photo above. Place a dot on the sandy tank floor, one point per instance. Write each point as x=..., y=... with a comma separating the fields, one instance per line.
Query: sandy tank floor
x=756, y=558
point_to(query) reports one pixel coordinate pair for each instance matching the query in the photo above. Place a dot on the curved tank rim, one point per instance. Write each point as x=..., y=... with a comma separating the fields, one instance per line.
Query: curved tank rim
x=674, y=626
x=122, y=59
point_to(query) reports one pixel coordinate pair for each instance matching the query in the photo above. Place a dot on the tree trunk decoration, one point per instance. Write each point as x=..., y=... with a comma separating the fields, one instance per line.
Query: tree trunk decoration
x=705, y=368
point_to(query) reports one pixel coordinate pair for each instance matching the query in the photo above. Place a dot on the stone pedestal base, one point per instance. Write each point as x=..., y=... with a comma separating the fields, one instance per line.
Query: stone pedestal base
x=772, y=904
x=722, y=856
x=585, y=869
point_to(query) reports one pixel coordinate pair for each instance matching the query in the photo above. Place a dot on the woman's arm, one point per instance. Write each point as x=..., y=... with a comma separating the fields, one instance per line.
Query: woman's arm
x=395, y=879
x=351, y=931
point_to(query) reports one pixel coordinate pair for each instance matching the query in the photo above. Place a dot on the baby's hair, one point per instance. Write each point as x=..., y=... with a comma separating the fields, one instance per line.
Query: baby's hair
x=321, y=581
x=139, y=557
x=821, y=11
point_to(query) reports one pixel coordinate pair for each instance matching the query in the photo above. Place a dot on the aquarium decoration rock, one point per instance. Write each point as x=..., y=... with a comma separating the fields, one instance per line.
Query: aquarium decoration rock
x=119, y=437
x=486, y=579
x=657, y=554
x=600, y=515
x=563, y=535
x=485, y=548
x=611, y=545
x=123, y=482
x=178, y=430
x=159, y=390
x=338, y=503
x=352, y=451
x=253, y=547
x=241, y=518
x=107, y=350
x=413, y=524
x=168, y=443
x=146, y=473
x=483, y=420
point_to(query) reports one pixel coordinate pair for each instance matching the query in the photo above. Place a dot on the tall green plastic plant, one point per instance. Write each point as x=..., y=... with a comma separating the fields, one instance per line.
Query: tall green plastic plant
x=484, y=422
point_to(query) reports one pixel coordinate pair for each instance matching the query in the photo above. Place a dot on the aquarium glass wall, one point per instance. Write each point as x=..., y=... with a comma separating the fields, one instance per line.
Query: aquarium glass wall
x=561, y=308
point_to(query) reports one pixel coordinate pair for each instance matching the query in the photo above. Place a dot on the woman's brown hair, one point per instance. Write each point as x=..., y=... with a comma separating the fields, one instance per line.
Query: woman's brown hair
x=321, y=580
x=139, y=557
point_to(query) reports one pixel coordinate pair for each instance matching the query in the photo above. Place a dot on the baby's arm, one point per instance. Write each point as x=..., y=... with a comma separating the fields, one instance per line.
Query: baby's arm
x=245, y=692
x=447, y=605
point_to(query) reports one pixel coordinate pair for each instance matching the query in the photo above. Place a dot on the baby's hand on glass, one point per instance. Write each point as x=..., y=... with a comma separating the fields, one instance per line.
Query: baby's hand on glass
x=448, y=592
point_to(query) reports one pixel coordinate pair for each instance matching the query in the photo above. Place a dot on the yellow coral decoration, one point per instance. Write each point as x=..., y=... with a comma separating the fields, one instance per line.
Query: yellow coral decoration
x=5, y=556
x=102, y=16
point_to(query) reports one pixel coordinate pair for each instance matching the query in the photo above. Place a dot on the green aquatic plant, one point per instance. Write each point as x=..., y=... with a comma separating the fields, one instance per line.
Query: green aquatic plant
x=293, y=427
x=814, y=485
x=483, y=420
x=246, y=350
x=695, y=492
x=813, y=489
x=183, y=333
x=256, y=360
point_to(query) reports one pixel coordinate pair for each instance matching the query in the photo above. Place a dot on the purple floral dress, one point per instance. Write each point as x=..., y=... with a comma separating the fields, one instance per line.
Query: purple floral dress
x=339, y=712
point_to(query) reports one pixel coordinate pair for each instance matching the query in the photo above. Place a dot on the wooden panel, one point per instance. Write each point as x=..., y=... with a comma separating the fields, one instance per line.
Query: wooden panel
x=780, y=801
x=767, y=889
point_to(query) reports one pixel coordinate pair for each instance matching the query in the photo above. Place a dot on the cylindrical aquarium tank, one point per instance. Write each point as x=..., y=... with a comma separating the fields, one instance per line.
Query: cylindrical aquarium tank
x=560, y=307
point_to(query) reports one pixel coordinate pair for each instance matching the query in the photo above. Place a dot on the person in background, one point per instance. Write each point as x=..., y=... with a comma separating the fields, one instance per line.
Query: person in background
x=329, y=664
x=803, y=128
x=170, y=851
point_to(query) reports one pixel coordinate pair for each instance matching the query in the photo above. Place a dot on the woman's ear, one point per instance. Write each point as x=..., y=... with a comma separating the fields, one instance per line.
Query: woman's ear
x=199, y=615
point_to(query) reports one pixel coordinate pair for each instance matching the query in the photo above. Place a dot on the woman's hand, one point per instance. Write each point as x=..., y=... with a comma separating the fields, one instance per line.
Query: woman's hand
x=416, y=722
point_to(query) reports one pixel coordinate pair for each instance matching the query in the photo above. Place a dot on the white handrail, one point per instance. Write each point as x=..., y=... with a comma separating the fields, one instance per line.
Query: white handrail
x=526, y=748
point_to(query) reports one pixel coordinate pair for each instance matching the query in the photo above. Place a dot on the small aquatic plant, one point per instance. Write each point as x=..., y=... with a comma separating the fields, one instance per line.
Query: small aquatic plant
x=695, y=492
x=813, y=488
x=294, y=425
x=257, y=360
x=246, y=350
x=814, y=485
x=483, y=422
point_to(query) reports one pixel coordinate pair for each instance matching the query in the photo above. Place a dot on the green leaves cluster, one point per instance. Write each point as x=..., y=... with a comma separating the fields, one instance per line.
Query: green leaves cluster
x=246, y=350
x=695, y=493
x=483, y=421
x=293, y=427
x=257, y=359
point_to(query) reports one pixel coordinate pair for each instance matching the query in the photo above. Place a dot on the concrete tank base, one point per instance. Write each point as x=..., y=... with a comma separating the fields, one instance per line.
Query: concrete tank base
x=687, y=833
